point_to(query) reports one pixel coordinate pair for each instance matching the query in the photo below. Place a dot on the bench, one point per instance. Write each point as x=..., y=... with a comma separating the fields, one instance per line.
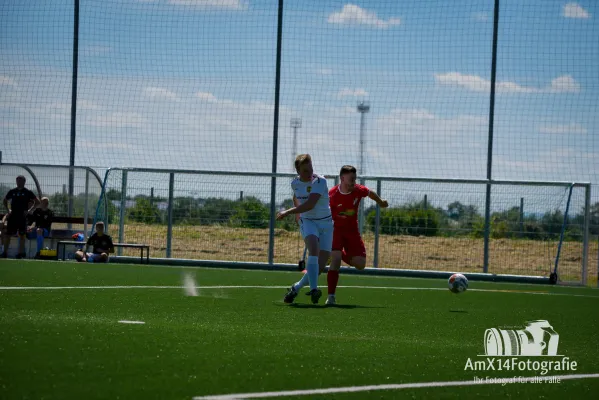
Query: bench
x=142, y=247
x=62, y=234
x=58, y=234
x=66, y=233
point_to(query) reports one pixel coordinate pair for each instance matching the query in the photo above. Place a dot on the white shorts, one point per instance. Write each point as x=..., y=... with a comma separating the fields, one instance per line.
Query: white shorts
x=321, y=228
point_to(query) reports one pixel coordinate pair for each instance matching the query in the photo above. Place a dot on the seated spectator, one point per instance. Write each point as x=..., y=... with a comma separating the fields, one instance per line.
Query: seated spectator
x=101, y=244
x=41, y=223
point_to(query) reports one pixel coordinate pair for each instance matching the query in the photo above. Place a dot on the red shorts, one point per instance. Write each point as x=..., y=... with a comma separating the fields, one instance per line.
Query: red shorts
x=350, y=241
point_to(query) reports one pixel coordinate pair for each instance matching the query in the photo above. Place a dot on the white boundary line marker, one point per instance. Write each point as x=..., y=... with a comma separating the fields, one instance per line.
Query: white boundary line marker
x=355, y=389
x=131, y=322
x=545, y=293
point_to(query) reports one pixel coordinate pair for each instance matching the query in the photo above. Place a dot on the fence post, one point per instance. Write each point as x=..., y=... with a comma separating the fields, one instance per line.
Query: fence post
x=85, y=210
x=377, y=226
x=521, y=217
x=585, y=234
x=361, y=212
x=169, y=229
x=123, y=212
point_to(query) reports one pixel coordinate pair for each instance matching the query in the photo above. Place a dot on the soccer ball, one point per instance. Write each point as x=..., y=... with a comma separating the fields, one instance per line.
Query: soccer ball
x=457, y=283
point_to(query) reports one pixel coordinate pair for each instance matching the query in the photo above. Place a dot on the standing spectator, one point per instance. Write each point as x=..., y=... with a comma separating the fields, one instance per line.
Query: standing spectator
x=20, y=200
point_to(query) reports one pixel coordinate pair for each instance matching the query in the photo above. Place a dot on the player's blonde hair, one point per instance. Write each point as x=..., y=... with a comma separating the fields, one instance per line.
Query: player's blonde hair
x=301, y=160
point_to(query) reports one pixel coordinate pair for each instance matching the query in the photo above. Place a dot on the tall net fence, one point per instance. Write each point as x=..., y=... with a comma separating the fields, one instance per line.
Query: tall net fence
x=395, y=88
x=428, y=226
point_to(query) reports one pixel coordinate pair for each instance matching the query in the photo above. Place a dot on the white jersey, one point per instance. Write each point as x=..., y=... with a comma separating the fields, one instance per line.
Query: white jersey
x=302, y=191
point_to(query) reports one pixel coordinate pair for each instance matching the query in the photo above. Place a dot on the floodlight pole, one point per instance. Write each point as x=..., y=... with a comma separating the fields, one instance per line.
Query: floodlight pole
x=296, y=123
x=487, y=233
x=363, y=108
x=73, y=108
x=275, y=138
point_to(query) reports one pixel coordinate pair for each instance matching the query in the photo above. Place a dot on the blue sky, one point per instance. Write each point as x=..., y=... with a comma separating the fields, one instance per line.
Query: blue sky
x=190, y=84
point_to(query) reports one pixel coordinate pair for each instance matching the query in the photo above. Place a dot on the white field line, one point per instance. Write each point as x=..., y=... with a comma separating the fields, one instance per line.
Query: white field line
x=286, y=287
x=131, y=322
x=356, y=389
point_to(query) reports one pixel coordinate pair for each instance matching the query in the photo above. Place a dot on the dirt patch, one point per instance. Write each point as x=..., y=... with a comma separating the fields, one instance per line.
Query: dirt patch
x=522, y=257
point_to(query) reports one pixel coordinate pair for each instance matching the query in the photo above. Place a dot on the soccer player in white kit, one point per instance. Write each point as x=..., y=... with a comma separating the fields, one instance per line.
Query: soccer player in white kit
x=311, y=199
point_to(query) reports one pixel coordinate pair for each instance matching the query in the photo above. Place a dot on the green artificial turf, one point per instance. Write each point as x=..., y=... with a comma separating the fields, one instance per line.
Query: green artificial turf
x=68, y=343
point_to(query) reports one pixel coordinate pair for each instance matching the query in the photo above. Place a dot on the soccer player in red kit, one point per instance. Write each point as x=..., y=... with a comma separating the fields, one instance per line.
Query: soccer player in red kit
x=348, y=246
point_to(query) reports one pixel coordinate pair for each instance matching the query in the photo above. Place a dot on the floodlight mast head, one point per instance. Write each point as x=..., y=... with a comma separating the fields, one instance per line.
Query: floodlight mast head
x=295, y=123
x=363, y=107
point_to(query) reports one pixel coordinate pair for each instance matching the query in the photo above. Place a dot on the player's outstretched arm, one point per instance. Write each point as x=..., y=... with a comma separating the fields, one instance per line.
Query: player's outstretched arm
x=307, y=206
x=381, y=202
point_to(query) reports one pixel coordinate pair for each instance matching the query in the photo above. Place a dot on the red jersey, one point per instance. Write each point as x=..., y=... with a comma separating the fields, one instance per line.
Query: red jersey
x=344, y=206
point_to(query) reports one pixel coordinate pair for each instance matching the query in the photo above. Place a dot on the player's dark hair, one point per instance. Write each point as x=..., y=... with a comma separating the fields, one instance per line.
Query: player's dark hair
x=21, y=177
x=347, y=169
x=301, y=160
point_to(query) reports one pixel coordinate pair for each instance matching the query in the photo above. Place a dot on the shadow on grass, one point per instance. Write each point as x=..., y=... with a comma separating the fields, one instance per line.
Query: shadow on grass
x=459, y=311
x=323, y=306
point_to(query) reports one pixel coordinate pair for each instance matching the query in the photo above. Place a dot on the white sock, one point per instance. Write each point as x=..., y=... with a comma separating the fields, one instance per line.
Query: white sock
x=302, y=282
x=312, y=271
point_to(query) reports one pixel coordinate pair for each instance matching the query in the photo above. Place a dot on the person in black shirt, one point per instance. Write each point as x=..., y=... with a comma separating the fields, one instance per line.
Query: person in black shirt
x=21, y=200
x=101, y=244
x=41, y=222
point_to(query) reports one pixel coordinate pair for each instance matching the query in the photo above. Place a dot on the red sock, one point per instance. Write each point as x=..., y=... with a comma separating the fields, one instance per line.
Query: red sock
x=332, y=280
x=346, y=259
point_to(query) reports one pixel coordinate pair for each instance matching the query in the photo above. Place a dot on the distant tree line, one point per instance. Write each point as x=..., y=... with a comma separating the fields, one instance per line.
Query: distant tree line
x=415, y=218
x=459, y=219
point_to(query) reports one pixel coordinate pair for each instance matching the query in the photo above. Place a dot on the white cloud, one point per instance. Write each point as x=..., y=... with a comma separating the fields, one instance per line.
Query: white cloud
x=347, y=92
x=564, y=84
x=160, y=93
x=352, y=14
x=117, y=119
x=411, y=114
x=475, y=83
x=209, y=97
x=470, y=82
x=224, y=4
x=7, y=80
x=87, y=144
x=421, y=122
x=481, y=16
x=572, y=128
x=512, y=87
x=324, y=71
x=575, y=10
x=83, y=104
